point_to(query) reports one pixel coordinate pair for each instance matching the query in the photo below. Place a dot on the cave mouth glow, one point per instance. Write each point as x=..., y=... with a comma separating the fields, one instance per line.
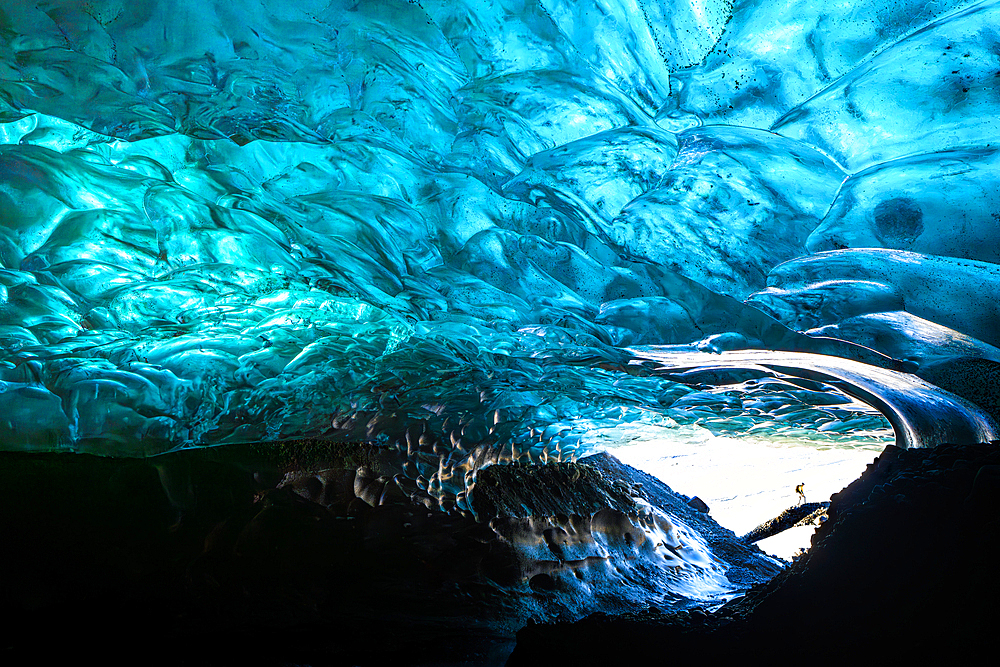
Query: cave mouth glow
x=746, y=481
x=330, y=284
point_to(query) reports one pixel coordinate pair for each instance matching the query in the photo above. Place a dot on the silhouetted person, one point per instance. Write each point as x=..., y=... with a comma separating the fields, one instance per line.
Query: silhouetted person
x=801, y=490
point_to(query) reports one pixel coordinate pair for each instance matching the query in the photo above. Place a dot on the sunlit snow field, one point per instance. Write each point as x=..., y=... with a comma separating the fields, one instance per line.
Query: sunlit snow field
x=746, y=481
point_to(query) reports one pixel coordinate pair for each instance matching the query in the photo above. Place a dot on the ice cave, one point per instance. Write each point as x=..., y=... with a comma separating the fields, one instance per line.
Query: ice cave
x=422, y=332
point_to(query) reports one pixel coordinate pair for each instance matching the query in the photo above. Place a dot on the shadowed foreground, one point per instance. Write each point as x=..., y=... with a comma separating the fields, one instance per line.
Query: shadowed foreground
x=903, y=569
x=317, y=553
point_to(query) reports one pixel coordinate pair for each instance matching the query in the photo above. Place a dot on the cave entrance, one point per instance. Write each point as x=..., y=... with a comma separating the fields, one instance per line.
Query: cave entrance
x=760, y=422
x=746, y=481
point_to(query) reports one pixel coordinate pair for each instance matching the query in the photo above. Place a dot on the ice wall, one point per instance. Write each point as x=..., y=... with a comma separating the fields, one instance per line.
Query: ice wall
x=437, y=225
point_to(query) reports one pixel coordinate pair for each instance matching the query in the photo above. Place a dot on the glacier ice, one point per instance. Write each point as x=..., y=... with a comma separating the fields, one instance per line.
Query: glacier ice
x=435, y=240
x=902, y=335
x=439, y=226
x=941, y=203
x=934, y=89
x=822, y=288
x=774, y=56
x=735, y=203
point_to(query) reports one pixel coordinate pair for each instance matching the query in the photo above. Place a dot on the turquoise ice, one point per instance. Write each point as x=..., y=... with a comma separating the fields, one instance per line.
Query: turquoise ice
x=440, y=226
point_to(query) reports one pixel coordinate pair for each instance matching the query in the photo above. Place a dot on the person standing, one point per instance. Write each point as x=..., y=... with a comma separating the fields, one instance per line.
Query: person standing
x=801, y=490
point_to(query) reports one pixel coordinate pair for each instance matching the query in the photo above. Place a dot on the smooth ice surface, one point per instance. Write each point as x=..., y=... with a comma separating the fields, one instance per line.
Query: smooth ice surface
x=829, y=286
x=773, y=56
x=921, y=414
x=940, y=203
x=933, y=90
x=437, y=226
x=736, y=203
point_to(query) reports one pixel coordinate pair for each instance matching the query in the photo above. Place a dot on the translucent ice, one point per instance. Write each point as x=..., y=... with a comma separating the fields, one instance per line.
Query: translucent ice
x=438, y=226
x=935, y=89
x=736, y=203
x=829, y=286
x=901, y=335
x=774, y=56
x=940, y=203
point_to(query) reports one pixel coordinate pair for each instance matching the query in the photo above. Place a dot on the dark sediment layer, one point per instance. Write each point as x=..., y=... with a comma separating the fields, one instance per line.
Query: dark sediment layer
x=316, y=553
x=798, y=515
x=903, y=569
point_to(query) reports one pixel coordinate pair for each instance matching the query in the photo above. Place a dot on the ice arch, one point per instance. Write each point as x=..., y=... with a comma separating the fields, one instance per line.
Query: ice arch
x=921, y=414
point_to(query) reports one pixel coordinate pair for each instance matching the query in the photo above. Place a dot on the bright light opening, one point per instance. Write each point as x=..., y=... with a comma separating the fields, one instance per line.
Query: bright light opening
x=746, y=481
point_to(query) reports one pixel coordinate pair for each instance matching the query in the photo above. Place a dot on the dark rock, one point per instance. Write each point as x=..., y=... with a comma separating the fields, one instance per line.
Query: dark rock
x=320, y=553
x=903, y=570
x=798, y=515
x=517, y=491
x=698, y=504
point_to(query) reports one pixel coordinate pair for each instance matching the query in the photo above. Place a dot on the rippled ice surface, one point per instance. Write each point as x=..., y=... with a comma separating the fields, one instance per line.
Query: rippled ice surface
x=437, y=225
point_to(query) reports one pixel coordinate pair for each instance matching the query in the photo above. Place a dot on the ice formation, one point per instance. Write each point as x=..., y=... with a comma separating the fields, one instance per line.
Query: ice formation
x=442, y=227
x=226, y=225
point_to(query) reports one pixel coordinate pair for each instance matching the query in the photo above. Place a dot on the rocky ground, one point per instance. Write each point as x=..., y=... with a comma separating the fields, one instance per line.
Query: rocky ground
x=314, y=553
x=311, y=554
x=903, y=569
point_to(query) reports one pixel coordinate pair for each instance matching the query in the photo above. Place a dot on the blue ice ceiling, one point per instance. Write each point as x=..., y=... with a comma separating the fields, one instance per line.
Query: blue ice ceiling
x=440, y=226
